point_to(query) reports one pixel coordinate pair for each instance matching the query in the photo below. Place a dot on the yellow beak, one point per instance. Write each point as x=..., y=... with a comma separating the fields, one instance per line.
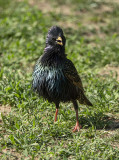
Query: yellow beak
x=59, y=41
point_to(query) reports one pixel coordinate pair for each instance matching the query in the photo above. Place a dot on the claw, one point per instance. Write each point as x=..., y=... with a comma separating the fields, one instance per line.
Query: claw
x=77, y=127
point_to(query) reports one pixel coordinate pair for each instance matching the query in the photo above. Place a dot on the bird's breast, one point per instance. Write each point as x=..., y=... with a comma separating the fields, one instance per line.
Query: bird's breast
x=51, y=83
x=50, y=79
x=55, y=80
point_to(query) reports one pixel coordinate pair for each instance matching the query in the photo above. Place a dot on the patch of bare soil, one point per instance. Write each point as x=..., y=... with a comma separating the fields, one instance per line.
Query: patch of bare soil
x=110, y=70
x=115, y=145
x=111, y=135
x=86, y=17
x=47, y=6
x=112, y=130
x=114, y=1
x=11, y=154
x=4, y=110
x=42, y=5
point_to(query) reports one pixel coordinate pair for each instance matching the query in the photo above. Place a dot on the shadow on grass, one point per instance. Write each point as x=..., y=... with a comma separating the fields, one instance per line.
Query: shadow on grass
x=98, y=121
x=112, y=123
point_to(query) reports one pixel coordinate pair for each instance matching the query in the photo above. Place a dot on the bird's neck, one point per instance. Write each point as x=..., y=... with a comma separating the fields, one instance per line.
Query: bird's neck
x=53, y=56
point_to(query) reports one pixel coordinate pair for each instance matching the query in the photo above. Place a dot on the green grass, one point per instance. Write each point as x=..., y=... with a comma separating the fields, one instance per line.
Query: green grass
x=28, y=131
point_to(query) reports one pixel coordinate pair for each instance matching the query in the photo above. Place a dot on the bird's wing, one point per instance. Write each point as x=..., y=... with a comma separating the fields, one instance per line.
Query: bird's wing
x=71, y=74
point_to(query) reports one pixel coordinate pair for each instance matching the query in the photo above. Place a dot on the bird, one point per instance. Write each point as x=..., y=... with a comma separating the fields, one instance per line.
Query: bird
x=55, y=77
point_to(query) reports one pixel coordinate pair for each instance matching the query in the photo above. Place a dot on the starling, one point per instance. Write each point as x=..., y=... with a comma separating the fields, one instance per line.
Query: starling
x=55, y=77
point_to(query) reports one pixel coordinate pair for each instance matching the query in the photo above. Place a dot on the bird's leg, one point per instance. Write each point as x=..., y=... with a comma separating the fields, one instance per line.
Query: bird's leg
x=56, y=115
x=77, y=126
x=57, y=106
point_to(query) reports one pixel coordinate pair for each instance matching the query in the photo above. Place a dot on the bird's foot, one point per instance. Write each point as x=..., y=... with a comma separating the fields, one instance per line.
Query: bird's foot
x=55, y=120
x=77, y=127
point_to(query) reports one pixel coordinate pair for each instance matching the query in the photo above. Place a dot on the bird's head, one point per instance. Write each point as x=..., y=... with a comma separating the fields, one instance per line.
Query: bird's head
x=55, y=37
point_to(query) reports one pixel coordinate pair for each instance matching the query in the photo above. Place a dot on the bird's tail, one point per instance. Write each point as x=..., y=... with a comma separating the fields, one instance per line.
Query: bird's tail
x=84, y=100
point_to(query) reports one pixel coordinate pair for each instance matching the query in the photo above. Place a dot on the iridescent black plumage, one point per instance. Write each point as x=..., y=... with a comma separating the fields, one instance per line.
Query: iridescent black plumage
x=55, y=77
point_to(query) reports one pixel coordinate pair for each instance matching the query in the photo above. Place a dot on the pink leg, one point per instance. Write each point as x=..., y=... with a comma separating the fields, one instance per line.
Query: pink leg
x=56, y=115
x=77, y=126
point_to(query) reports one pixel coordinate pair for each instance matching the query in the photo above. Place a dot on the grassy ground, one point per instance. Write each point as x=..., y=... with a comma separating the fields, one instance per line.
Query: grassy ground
x=27, y=130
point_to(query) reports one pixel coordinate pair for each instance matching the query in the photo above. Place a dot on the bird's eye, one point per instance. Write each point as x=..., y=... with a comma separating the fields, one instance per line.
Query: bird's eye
x=54, y=39
x=59, y=41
